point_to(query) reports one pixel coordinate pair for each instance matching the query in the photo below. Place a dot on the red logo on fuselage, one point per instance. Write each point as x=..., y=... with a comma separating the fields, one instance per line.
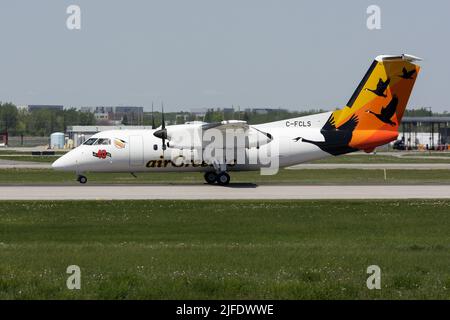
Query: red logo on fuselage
x=101, y=154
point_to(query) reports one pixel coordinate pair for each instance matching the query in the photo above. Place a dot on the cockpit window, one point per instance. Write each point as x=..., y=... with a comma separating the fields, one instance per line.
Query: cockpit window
x=103, y=142
x=90, y=141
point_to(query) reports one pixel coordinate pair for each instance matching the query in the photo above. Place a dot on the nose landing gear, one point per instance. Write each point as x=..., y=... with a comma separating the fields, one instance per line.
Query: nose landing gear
x=81, y=179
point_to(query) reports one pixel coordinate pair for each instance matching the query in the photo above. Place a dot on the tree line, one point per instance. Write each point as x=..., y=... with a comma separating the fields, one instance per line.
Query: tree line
x=40, y=122
x=43, y=122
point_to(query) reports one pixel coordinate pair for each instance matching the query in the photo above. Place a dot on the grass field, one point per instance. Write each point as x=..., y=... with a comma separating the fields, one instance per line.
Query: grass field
x=285, y=176
x=225, y=250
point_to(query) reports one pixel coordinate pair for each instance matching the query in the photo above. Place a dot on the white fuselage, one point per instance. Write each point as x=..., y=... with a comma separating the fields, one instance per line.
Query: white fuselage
x=140, y=151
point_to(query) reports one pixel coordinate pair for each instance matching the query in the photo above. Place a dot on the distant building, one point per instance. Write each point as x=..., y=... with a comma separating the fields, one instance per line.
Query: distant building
x=97, y=109
x=34, y=107
x=101, y=116
x=199, y=112
x=79, y=134
x=129, y=115
x=228, y=110
x=263, y=111
x=432, y=132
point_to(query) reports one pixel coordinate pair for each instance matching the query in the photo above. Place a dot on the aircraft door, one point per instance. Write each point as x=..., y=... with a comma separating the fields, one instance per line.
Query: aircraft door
x=136, y=151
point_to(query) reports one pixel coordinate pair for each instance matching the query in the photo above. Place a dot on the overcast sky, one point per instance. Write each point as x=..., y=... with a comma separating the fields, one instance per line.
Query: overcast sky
x=203, y=53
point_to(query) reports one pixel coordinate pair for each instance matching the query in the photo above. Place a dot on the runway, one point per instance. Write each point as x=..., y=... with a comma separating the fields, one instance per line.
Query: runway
x=234, y=192
x=14, y=164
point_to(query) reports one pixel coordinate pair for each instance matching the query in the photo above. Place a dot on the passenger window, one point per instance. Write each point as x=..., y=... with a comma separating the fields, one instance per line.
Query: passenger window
x=90, y=141
x=155, y=147
x=103, y=142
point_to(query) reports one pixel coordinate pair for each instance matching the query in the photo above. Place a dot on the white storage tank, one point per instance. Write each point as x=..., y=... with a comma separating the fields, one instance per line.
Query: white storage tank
x=57, y=140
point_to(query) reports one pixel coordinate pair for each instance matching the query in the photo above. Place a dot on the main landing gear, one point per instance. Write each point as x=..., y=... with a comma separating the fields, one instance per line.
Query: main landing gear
x=81, y=179
x=221, y=178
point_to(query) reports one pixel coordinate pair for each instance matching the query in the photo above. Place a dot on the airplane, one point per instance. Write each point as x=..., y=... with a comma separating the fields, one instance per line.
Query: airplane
x=367, y=121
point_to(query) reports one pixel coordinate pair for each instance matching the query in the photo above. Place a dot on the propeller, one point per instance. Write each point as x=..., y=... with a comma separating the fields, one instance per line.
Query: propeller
x=162, y=133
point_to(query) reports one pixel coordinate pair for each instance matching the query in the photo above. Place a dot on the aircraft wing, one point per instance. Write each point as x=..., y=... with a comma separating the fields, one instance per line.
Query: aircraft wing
x=235, y=125
x=224, y=125
x=253, y=137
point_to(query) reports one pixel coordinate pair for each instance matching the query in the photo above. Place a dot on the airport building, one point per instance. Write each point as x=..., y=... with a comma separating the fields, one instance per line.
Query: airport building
x=425, y=132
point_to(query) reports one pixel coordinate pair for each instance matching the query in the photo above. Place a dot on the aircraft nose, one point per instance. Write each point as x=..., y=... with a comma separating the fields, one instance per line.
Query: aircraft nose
x=63, y=163
x=58, y=164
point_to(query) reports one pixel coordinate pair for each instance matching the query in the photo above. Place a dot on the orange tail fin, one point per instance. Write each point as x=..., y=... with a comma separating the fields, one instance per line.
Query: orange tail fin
x=380, y=101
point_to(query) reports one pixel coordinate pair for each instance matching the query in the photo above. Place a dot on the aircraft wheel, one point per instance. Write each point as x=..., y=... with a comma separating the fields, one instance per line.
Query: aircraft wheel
x=223, y=179
x=210, y=177
x=82, y=179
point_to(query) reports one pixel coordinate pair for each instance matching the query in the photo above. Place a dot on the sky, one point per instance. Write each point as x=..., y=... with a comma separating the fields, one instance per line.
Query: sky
x=189, y=54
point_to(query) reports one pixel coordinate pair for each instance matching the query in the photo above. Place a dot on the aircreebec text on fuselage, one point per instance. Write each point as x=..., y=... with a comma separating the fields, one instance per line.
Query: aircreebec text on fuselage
x=169, y=163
